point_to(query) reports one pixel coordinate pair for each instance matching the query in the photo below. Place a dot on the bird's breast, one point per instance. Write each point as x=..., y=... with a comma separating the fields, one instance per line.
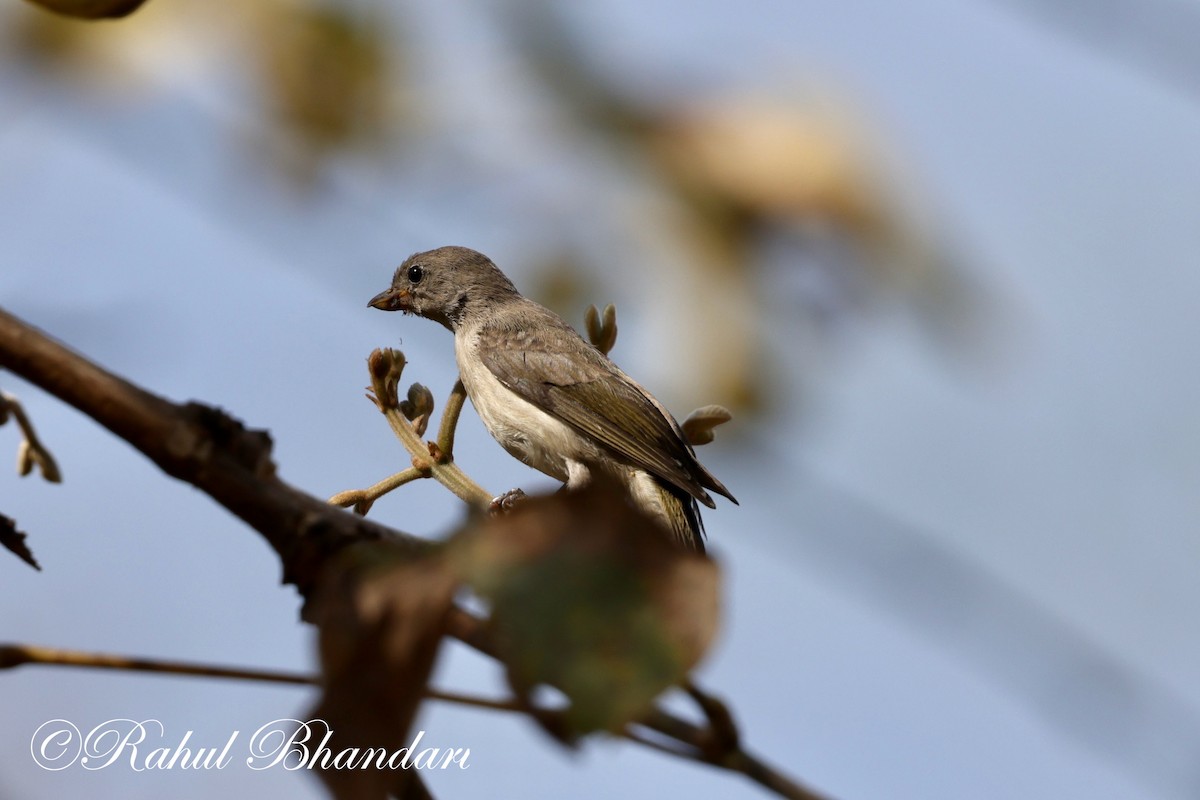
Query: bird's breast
x=527, y=432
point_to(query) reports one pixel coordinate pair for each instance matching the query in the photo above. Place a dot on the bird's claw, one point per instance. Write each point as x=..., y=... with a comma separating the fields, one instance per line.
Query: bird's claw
x=506, y=502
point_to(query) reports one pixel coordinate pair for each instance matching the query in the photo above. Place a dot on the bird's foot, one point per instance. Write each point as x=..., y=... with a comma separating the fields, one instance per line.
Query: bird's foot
x=506, y=502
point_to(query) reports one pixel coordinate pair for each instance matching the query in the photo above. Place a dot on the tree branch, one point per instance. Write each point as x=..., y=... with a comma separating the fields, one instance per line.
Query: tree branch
x=202, y=446
x=215, y=453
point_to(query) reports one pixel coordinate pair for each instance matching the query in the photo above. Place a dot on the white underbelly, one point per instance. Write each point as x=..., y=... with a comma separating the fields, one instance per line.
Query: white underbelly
x=524, y=430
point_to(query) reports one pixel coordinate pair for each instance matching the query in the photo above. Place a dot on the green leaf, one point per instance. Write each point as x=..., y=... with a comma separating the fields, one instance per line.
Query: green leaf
x=590, y=596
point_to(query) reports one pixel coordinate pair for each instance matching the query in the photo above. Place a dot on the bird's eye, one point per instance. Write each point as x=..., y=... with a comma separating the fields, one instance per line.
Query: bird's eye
x=415, y=273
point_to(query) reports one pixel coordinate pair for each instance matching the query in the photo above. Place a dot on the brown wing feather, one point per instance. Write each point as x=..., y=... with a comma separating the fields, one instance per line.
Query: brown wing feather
x=588, y=392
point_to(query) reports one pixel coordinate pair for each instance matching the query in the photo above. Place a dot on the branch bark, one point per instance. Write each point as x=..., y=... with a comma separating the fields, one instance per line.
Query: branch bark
x=201, y=445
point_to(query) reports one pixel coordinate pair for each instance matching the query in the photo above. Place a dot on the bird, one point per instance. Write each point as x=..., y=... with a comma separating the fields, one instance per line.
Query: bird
x=551, y=399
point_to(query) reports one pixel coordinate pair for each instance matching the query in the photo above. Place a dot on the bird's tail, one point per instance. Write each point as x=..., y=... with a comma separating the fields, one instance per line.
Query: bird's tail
x=675, y=509
x=681, y=513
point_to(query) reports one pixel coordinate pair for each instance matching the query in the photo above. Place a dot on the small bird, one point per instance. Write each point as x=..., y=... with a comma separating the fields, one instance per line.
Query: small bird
x=551, y=399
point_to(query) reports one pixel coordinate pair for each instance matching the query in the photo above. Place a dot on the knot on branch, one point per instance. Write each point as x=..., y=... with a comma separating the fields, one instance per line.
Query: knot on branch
x=217, y=431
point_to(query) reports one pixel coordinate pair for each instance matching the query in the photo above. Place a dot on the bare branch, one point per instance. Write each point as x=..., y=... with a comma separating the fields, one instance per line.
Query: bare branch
x=15, y=655
x=362, y=499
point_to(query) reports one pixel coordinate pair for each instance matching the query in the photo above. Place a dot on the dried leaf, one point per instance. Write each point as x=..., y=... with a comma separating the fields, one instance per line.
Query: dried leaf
x=698, y=427
x=590, y=596
x=381, y=624
x=14, y=541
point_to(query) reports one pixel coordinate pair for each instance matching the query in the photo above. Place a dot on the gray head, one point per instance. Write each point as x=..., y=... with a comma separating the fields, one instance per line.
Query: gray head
x=447, y=285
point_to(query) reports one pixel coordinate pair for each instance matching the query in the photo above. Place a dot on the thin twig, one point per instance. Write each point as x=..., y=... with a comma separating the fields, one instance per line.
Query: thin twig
x=637, y=737
x=769, y=778
x=725, y=735
x=362, y=499
x=454, y=407
x=31, y=451
x=15, y=655
x=429, y=459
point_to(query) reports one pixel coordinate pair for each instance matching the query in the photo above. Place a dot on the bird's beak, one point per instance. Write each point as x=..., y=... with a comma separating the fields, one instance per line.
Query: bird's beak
x=391, y=299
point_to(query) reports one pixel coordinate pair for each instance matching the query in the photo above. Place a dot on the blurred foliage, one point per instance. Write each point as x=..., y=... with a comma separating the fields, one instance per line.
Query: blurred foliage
x=324, y=70
x=740, y=169
x=52, y=42
x=90, y=9
x=321, y=72
x=729, y=175
x=590, y=596
x=561, y=281
x=586, y=594
x=381, y=620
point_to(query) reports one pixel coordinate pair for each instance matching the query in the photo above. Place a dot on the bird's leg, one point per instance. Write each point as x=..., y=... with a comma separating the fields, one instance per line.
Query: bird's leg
x=506, y=502
x=578, y=475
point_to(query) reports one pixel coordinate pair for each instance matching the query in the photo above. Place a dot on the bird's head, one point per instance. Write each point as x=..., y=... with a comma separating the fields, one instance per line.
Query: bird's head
x=447, y=285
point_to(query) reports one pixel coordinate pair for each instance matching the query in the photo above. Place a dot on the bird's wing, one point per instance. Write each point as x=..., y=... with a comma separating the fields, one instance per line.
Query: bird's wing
x=572, y=381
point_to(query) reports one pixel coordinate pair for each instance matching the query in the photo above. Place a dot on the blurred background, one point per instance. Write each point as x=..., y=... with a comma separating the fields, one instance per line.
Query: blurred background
x=937, y=257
